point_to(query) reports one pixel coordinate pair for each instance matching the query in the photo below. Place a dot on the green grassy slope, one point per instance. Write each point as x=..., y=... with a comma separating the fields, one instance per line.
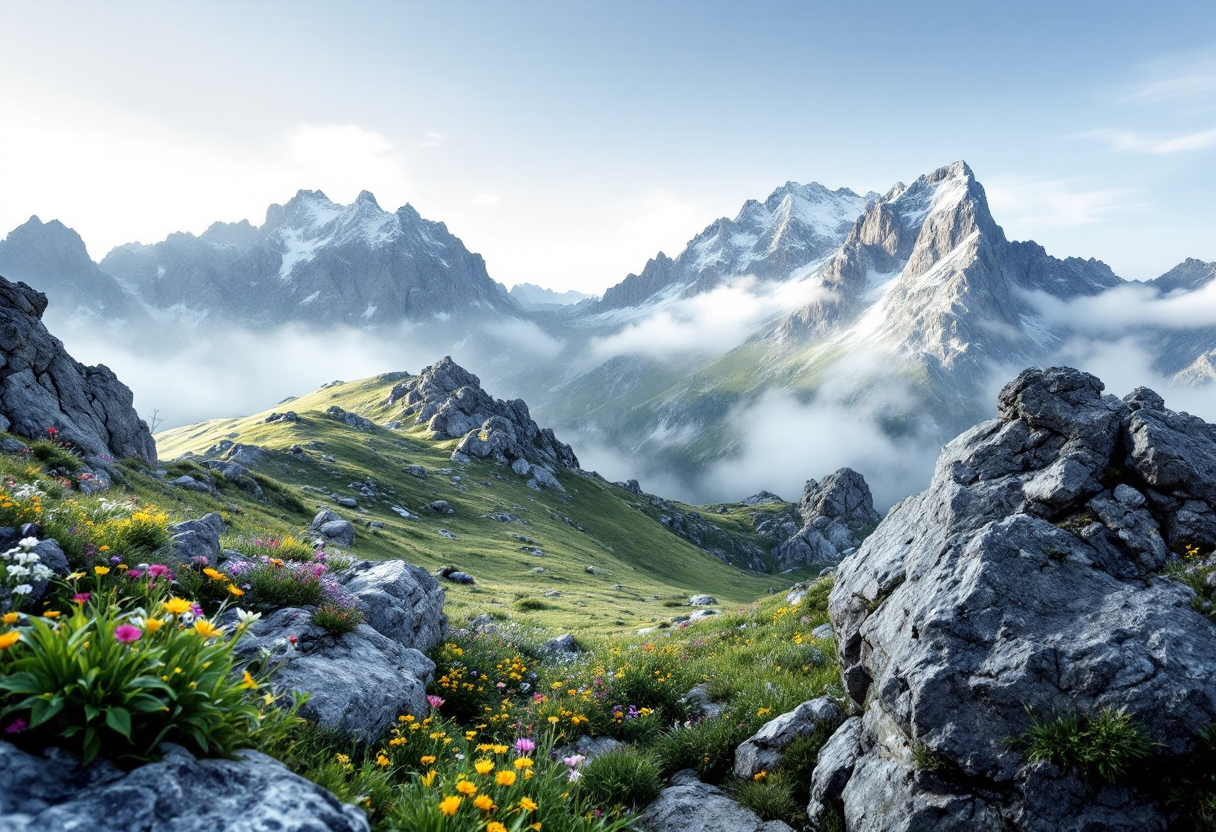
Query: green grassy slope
x=612, y=565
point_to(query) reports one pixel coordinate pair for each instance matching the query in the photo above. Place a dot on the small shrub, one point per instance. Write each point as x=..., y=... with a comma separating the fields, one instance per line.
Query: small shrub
x=622, y=777
x=337, y=618
x=533, y=604
x=141, y=532
x=54, y=456
x=771, y=798
x=709, y=747
x=1104, y=744
x=274, y=584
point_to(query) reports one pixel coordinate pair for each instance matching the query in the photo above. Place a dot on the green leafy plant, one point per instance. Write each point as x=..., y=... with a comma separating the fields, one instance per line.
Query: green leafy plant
x=622, y=777
x=771, y=798
x=708, y=747
x=101, y=677
x=1104, y=744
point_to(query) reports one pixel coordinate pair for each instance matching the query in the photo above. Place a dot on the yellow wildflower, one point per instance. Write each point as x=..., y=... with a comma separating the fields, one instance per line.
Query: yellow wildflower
x=215, y=574
x=505, y=778
x=760, y=775
x=428, y=778
x=342, y=758
x=523, y=762
x=449, y=804
x=236, y=590
x=500, y=749
x=382, y=761
x=495, y=826
x=552, y=720
x=52, y=614
x=483, y=766
x=206, y=629
x=153, y=624
x=9, y=639
x=176, y=606
x=470, y=735
x=397, y=741
x=101, y=570
x=248, y=683
x=484, y=803
x=527, y=804
x=10, y=617
x=428, y=759
x=466, y=788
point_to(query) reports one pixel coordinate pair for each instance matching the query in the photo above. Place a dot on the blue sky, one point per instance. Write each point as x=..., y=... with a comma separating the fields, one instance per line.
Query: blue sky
x=569, y=142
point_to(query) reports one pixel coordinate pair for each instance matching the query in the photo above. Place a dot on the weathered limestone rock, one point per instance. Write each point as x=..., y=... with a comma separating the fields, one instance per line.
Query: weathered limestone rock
x=763, y=750
x=41, y=387
x=399, y=600
x=1025, y=577
x=253, y=792
x=332, y=527
x=837, y=515
x=359, y=682
x=689, y=804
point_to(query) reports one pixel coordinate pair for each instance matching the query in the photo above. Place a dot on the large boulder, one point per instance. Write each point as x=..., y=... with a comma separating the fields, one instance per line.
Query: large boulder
x=42, y=387
x=837, y=514
x=252, y=792
x=330, y=526
x=193, y=539
x=1026, y=582
x=398, y=600
x=358, y=683
x=689, y=804
x=763, y=750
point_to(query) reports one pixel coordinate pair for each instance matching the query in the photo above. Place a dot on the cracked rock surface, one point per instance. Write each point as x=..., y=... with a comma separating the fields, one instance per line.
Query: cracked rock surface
x=1027, y=576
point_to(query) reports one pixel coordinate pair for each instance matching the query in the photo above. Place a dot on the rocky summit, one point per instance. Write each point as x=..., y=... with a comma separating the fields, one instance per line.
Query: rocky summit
x=42, y=387
x=1026, y=585
x=449, y=400
x=837, y=514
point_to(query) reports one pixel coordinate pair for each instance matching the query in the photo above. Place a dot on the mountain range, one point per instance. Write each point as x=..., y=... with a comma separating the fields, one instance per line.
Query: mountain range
x=896, y=311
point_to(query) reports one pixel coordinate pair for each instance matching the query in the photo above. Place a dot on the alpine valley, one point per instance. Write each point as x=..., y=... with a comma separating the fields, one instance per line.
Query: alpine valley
x=891, y=318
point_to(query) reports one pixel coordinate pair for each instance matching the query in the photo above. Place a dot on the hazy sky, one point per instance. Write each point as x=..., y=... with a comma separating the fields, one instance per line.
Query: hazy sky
x=570, y=141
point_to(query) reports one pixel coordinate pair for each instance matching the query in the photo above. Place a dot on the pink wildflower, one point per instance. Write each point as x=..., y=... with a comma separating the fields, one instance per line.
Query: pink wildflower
x=434, y=701
x=16, y=726
x=127, y=633
x=523, y=745
x=158, y=570
x=80, y=598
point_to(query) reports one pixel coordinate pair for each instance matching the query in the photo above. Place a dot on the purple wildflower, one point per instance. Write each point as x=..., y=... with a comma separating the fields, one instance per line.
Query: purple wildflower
x=127, y=633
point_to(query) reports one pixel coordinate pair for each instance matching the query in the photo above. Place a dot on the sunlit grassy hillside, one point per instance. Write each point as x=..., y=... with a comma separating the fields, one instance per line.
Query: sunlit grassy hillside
x=608, y=562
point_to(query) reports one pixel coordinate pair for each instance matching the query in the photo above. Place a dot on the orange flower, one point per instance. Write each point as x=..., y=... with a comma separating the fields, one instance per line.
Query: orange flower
x=484, y=803
x=466, y=788
x=449, y=805
x=484, y=766
x=527, y=804
x=9, y=639
x=505, y=778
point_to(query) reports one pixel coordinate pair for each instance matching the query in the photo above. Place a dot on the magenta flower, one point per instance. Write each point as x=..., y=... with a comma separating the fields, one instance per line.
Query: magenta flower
x=196, y=610
x=523, y=745
x=126, y=633
x=134, y=574
x=158, y=570
x=80, y=598
x=16, y=726
x=434, y=701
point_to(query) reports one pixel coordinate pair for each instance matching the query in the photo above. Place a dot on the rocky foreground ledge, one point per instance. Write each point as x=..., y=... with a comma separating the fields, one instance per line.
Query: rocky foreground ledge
x=1026, y=582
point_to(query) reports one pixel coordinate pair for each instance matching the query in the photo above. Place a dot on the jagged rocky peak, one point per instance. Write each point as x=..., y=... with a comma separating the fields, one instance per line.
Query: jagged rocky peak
x=1187, y=276
x=772, y=240
x=1026, y=583
x=837, y=515
x=42, y=387
x=449, y=400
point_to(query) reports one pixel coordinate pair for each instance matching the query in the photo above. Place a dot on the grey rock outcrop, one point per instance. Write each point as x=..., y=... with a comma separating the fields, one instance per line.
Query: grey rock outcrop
x=449, y=400
x=198, y=538
x=42, y=387
x=689, y=804
x=252, y=792
x=358, y=683
x=399, y=600
x=837, y=514
x=763, y=750
x=353, y=420
x=1026, y=577
x=332, y=527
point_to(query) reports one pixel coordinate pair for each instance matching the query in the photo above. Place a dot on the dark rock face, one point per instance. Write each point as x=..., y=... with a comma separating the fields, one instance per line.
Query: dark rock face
x=1026, y=577
x=399, y=600
x=450, y=401
x=41, y=387
x=50, y=794
x=837, y=515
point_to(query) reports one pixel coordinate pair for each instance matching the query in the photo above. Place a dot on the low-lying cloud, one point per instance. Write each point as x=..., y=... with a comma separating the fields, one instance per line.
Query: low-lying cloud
x=709, y=324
